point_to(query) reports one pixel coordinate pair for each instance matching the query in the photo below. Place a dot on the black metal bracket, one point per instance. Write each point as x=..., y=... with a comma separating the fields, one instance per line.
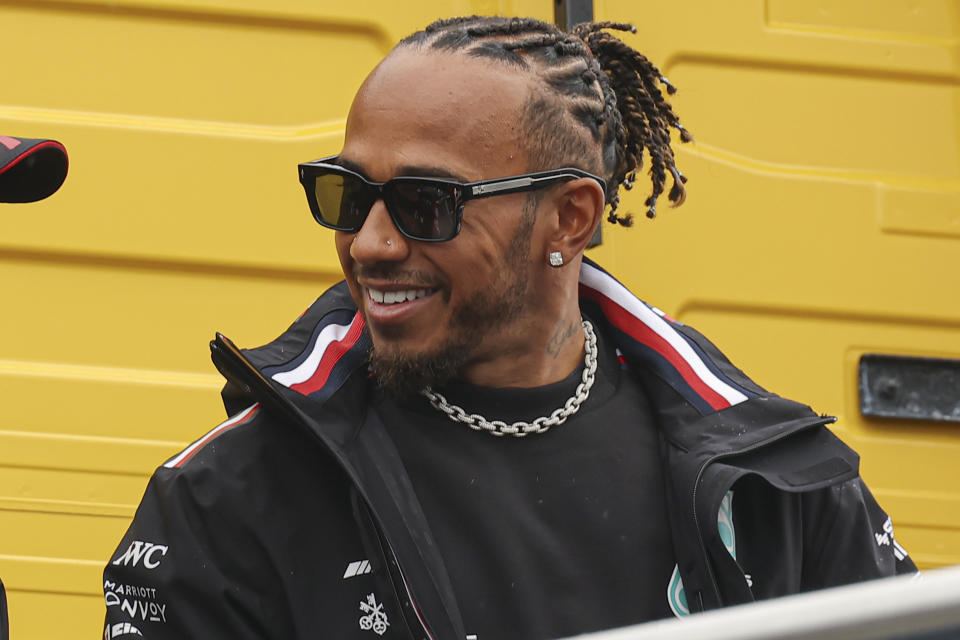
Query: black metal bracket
x=910, y=388
x=569, y=13
x=566, y=15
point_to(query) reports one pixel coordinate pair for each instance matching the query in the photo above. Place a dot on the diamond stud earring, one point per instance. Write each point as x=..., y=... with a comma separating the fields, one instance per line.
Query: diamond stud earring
x=556, y=259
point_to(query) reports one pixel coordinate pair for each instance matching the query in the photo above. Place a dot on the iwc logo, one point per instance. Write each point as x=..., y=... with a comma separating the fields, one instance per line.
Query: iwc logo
x=139, y=552
x=375, y=619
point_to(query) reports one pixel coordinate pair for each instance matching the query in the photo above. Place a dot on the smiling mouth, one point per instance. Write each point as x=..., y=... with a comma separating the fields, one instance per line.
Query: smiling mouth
x=396, y=297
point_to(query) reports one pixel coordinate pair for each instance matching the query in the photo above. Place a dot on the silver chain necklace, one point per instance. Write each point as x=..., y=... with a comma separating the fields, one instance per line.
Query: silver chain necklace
x=540, y=425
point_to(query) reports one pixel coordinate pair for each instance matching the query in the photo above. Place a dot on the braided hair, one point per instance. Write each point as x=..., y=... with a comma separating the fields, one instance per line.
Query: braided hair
x=598, y=93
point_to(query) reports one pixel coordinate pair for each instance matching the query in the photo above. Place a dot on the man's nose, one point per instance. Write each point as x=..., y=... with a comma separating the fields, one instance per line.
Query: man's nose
x=379, y=240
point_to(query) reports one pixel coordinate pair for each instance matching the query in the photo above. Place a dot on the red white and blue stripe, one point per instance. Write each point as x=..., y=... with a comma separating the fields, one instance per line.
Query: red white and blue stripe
x=645, y=337
x=648, y=335
x=241, y=418
x=335, y=350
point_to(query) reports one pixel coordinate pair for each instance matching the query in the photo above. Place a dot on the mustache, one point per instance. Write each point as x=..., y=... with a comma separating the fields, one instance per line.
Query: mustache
x=395, y=273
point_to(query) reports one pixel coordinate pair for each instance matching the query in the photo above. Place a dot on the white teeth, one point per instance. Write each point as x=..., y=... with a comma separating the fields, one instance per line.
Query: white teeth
x=393, y=297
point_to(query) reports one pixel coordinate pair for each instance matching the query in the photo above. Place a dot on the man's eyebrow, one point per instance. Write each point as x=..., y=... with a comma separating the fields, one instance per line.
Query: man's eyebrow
x=416, y=171
x=347, y=164
x=430, y=172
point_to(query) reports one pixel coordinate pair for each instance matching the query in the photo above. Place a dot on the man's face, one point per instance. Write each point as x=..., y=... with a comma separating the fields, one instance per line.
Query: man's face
x=443, y=115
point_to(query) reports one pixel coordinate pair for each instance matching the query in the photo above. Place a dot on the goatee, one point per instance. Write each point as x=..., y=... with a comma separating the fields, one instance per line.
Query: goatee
x=499, y=303
x=404, y=375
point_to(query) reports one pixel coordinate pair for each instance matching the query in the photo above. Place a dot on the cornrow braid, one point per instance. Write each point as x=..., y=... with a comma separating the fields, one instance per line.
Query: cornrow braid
x=598, y=92
x=634, y=79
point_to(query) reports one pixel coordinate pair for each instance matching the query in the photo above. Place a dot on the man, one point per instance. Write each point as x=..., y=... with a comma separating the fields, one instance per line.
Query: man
x=347, y=497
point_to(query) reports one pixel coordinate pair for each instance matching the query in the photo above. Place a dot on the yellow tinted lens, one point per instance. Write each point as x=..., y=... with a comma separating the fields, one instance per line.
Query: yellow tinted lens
x=343, y=200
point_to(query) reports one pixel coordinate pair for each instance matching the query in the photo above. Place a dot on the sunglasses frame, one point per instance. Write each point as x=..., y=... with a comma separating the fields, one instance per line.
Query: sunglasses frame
x=462, y=192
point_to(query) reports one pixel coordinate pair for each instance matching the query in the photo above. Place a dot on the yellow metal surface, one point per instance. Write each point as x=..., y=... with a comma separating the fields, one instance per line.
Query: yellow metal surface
x=822, y=223
x=181, y=216
x=823, y=215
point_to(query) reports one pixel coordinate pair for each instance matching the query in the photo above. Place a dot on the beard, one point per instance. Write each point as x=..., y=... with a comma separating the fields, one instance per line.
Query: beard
x=496, y=305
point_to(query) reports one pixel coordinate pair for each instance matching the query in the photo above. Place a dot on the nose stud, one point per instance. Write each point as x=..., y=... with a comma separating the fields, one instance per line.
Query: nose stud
x=389, y=244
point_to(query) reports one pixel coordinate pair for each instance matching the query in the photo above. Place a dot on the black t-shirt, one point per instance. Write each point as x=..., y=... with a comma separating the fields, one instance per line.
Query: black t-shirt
x=553, y=534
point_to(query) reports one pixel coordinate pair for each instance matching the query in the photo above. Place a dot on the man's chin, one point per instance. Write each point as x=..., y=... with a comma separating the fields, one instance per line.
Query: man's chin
x=406, y=374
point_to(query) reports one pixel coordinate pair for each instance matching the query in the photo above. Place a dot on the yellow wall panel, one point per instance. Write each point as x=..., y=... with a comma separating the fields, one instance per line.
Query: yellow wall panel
x=191, y=65
x=822, y=223
x=130, y=302
x=843, y=120
x=81, y=611
x=914, y=20
x=822, y=214
x=181, y=216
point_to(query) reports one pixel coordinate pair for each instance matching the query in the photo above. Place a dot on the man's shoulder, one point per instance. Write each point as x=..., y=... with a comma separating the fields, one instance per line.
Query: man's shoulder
x=243, y=506
x=251, y=455
x=673, y=357
x=219, y=447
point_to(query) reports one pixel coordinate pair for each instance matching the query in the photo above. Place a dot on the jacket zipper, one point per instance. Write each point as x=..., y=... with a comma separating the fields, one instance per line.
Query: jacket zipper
x=226, y=349
x=406, y=588
x=390, y=558
x=714, y=458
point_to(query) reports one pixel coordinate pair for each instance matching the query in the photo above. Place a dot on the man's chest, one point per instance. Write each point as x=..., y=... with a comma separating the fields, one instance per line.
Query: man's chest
x=551, y=537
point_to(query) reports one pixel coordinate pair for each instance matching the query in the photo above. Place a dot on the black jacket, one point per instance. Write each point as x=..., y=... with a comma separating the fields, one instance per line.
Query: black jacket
x=296, y=518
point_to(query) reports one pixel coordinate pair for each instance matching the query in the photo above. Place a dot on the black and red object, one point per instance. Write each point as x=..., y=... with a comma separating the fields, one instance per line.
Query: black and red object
x=31, y=169
x=4, y=619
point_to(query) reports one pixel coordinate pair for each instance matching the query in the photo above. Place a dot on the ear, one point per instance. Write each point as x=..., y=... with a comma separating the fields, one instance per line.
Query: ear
x=580, y=205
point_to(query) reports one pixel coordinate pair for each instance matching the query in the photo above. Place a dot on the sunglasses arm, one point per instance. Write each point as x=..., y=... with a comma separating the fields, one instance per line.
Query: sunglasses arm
x=520, y=184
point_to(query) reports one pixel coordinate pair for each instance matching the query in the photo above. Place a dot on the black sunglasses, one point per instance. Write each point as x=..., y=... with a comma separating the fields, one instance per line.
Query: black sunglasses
x=427, y=209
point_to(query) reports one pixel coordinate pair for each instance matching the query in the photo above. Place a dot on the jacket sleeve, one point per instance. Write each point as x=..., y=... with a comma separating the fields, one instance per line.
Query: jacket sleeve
x=183, y=569
x=849, y=538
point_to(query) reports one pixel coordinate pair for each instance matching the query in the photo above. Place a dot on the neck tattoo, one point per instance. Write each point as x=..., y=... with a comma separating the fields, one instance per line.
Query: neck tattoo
x=540, y=425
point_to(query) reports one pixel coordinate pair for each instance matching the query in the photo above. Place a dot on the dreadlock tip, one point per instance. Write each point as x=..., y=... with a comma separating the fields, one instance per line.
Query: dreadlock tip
x=669, y=85
x=677, y=197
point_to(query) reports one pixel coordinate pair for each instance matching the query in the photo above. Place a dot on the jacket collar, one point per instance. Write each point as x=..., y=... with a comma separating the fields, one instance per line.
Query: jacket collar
x=709, y=413
x=688, y=379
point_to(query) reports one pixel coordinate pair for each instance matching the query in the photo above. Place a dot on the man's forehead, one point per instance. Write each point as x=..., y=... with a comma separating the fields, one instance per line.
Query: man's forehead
x=422, y=103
